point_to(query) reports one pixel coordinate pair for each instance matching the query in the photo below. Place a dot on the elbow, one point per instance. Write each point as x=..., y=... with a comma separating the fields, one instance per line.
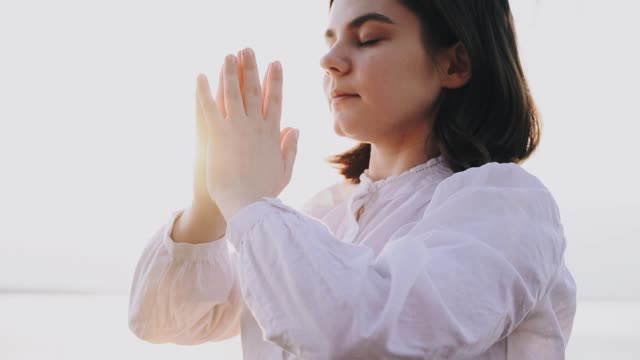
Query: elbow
x=385, y=343
x=141, y=331
x=161, y=336
x=152, y=332
x=143, y=328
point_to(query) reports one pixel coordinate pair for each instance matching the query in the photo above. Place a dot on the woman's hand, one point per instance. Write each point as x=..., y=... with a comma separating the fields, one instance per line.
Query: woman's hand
x=247, y=155
x=202, y=200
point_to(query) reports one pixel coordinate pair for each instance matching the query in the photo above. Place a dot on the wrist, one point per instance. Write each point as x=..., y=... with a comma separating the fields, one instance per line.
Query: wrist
x=205, y=208
x=205, y=217
x=196, y=228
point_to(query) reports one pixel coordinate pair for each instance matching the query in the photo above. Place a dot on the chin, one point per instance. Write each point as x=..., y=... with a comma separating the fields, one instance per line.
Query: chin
x=338, y=132
x=340, y=129
x=350, y=126
x=347, y=134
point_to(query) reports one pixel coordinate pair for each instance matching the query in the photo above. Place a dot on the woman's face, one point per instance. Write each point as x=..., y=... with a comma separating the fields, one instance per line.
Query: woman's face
x=394, y=78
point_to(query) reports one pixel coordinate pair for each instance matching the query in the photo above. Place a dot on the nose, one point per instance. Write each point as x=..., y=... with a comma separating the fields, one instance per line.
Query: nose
x=334, y=63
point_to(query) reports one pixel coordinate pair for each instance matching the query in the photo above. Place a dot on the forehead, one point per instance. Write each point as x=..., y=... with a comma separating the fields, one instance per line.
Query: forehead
x=343, y=12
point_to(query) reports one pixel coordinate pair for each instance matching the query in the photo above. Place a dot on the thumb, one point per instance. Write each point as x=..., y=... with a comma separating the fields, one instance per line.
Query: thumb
x=202, y=128
x=208, y=106
x=290, y=150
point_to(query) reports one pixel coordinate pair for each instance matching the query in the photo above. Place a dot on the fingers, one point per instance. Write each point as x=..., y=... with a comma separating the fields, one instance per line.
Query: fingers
x=199, y=185
x=208, y=106
x=240, y=91
x=232, y=95
x=264, y=92
x=201, y=126
x=283, y=133
x=251, y=88
x=273, y=100
x=241, y=79
x=220, y=94
x=289, y=152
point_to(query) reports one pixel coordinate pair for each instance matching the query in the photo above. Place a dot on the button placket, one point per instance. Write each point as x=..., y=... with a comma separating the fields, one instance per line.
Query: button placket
x=368, y=189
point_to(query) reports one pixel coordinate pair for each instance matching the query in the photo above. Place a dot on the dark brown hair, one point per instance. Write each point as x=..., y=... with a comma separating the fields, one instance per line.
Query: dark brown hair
x=492, y=118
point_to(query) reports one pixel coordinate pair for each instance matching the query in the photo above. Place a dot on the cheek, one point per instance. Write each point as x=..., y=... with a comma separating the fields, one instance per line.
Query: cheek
x=375, y=72
x=400, y=85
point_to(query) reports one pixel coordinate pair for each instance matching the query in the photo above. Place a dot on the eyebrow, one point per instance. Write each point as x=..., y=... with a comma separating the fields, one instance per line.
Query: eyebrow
x=360, y=20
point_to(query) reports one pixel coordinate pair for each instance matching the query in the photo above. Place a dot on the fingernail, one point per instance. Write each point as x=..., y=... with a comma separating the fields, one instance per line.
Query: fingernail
x=296, y=135
x=278, y=66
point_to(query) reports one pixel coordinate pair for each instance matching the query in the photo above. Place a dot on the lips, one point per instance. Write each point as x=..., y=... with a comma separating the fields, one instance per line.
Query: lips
x=339, y=100
x=344, y=96
x=337, y=93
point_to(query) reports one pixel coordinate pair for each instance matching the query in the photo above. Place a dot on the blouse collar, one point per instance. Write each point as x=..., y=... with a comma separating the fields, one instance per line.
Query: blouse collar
x=427, y=169
x=375, y=185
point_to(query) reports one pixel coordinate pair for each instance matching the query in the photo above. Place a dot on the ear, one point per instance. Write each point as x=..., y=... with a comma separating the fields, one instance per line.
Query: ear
x=455, y=66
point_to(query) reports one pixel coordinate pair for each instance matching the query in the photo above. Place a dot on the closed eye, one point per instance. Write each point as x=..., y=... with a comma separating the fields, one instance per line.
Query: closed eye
x=368, y=43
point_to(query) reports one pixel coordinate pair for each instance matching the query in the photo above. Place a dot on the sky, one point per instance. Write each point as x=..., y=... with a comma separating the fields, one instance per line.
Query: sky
x=97, y=126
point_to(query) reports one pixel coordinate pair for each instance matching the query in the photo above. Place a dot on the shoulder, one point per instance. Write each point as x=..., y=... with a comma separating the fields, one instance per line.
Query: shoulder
x=491, y=175
x=508, y=182
x=502, y=194
x=327, y=198
x=496, y=214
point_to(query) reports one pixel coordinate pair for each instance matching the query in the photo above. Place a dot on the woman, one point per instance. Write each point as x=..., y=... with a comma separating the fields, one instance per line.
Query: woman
x=437, y=245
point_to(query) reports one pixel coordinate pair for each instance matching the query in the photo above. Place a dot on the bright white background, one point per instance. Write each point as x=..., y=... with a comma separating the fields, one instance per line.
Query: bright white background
x=97, y=148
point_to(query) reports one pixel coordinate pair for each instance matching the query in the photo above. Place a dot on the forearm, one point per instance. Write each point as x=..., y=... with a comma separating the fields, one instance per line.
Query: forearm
x=199, y=224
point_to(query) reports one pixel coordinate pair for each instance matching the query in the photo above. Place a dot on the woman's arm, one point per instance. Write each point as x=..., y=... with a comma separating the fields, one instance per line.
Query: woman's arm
x=185, y=288
x=466, y=275
x=185, y=293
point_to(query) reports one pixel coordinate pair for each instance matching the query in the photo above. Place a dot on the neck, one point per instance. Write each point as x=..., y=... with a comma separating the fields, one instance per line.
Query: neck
x=386, y=161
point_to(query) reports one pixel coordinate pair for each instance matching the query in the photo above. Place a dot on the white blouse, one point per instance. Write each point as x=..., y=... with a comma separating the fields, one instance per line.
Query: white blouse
x=439, y=266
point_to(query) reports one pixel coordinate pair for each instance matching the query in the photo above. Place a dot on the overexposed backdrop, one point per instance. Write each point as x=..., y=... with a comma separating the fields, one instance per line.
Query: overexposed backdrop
x=97, y=133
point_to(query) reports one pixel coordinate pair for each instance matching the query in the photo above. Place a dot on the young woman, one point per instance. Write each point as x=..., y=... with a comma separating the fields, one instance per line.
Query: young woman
x=438, y=244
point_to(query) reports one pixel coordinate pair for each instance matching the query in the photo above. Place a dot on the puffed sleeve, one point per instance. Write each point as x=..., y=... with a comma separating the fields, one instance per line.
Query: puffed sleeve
x=467, y=274
x=184, y=293
x=189, y=293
